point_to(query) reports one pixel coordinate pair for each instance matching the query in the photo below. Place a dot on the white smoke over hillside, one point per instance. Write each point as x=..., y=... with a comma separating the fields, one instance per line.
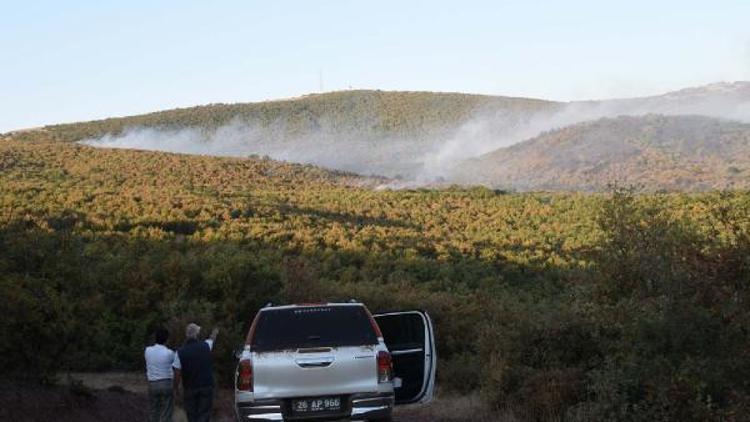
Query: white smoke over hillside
x=223, y=141
x=488, y=131
x=421, y=161
x=323, y=146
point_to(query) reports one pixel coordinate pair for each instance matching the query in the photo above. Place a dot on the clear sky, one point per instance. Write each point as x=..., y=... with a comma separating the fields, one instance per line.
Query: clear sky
x=74, y=60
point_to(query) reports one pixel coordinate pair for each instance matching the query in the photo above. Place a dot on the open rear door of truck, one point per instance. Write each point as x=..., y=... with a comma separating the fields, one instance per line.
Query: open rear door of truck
x=410, y=339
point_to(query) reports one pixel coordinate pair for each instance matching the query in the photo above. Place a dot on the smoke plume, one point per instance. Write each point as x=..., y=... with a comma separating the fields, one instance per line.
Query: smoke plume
x=422, y=161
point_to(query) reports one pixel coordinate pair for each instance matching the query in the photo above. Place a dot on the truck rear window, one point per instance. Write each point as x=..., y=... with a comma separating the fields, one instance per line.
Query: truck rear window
x=313, y=326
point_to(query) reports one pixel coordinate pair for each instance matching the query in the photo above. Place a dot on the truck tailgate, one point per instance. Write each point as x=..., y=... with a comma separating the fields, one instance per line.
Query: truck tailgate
x=321, y=372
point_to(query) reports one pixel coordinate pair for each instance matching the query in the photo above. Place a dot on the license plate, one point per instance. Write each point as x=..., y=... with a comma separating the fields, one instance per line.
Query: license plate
x=318, y=405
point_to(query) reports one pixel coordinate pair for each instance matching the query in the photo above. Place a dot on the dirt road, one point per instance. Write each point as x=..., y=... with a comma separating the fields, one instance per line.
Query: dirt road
x=121, y=397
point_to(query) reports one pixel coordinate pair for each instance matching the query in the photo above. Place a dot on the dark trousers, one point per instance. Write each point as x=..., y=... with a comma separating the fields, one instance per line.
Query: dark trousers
x=198, y=403
x=161, y=400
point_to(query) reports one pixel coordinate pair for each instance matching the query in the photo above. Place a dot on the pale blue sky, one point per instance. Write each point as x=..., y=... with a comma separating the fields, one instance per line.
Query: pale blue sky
x=74, y=60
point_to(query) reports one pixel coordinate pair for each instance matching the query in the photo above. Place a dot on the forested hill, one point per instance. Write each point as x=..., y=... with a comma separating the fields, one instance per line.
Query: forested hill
x=690, y=140
x=367, y=113
x=50, y=162
x=538, y=299
x=656, y=151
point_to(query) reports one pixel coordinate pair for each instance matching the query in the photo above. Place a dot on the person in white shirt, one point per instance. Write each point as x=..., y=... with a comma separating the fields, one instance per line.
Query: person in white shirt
x=159, y=359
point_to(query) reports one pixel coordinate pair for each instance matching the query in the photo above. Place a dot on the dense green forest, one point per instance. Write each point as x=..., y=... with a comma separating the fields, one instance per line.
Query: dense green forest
x=612, y=306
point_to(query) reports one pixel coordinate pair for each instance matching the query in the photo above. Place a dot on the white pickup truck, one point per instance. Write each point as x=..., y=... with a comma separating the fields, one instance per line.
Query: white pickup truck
x=333, y=361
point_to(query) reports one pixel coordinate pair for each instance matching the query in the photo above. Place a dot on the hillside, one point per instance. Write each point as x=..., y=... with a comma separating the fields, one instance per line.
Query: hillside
x=407, y=114
x=537, y=299
x=728, y=100
x=655, y=151
x=364, y=112
x=369, y=132
x=428, y=139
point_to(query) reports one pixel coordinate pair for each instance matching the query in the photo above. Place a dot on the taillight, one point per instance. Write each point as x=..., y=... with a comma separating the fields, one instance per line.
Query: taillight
x=245, y=376
x=385, y=367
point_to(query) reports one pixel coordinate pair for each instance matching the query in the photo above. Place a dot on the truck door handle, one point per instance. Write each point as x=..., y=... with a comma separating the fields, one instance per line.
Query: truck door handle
x=314, y=362
x=406, y=351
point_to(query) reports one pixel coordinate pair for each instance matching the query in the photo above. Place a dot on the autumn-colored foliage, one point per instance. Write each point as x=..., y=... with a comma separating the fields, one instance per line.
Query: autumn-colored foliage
x=617, y=306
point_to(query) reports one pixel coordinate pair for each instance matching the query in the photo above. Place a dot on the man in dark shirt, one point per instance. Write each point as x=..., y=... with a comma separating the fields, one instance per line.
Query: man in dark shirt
x=193, y=364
